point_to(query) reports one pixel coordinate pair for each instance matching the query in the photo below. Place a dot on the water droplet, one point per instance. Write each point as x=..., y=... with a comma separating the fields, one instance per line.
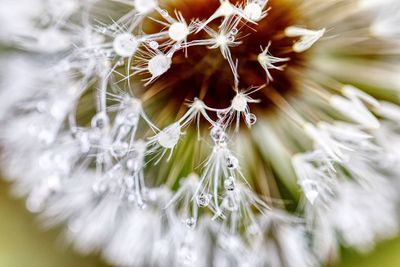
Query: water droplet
x=230, y=204
x=221, y=114
x=145, y=6
x=229, y=183
x=217, y=134
x=253, y=11
x=100, y=120
x=169, y=137
x=203, y=200
x=234, y=31
x=178, y=31
x=125, y=44
x=154, y=44
x=190, y=222
x=164, y=13
x=251, y=119
x=312, y=195
x=310, y=189
x=232, y=162
x=158, y=65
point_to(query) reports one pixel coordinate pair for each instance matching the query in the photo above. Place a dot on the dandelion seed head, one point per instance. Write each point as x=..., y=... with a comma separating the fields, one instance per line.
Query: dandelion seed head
x=145, y=93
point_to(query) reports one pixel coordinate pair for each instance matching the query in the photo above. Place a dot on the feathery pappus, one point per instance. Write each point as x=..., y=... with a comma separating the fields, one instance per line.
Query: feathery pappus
x=205, y=132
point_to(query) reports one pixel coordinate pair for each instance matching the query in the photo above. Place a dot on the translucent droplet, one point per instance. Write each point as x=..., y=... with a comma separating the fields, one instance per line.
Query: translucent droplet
x=169, y=137
x=190, y=222
x=310, y=190
x=234, y=31
x=102, y=30
x=164, y=13
x=229, y=183
x=232, y=162
x=145, y=6
x=253, y=11
x=154, y=44
x=221, y=114
x=312, y=195
x=158, y=65
x=203, y=200
x=178, y=31
x=217, y=134
x=100, y=120
x=125, y=45
x=230, y=204
x=251, y=119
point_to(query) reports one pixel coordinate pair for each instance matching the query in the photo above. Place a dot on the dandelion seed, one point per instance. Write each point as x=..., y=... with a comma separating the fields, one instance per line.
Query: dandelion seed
x=267, y=61
x=307, y=37
x=226, y=10
x=354, y=107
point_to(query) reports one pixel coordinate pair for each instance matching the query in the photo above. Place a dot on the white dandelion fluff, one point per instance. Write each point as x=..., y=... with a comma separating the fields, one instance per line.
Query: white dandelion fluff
x=126, y=121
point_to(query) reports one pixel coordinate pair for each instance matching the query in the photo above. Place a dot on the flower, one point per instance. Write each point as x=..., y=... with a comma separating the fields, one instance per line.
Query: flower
x=185, y=133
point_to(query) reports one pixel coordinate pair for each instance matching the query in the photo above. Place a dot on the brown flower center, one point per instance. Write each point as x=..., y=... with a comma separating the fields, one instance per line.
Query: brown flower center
x=205, y=73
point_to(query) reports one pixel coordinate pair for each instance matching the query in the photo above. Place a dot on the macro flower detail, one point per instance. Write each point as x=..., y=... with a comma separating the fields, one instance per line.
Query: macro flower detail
x=204, y=133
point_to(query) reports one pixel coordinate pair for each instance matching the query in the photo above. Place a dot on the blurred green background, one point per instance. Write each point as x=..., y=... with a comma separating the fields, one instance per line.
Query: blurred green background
x=23, y=244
